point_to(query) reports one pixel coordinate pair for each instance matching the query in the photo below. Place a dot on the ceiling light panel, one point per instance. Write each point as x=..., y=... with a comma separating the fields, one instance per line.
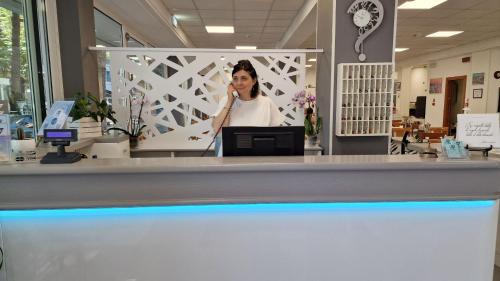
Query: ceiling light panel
x=444, y=34
x=398, y=50
x=420, y=4
x=219, y=29
x=246, y=47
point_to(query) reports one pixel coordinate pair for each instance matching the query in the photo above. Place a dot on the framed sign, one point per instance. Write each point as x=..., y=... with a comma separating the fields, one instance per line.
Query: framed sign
x=477, y=93
x=479, y=130
x=478, y=78
x=435, y=85
x=397, y=86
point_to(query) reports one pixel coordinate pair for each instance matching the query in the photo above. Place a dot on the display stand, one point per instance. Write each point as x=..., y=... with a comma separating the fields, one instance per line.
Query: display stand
x=60, y=138
x=483, y=150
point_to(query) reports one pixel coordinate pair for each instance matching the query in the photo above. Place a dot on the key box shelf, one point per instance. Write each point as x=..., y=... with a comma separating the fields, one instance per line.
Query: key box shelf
x=364, y=99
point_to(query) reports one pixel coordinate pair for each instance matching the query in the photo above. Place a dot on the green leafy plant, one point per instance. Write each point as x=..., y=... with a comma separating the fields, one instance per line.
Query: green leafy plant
x=312, y=123
x=90, y=106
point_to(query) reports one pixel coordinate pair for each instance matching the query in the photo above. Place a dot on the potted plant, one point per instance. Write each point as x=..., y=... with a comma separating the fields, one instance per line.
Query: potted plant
x=88, y=114
x=312, y=122
x=135, y=124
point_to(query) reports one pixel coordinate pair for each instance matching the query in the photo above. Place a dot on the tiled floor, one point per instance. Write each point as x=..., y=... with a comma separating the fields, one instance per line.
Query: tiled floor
x=496, y=274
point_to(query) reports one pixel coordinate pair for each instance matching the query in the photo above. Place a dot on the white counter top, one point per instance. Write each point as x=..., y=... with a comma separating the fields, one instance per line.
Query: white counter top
x=173, y=181
x=213, y=164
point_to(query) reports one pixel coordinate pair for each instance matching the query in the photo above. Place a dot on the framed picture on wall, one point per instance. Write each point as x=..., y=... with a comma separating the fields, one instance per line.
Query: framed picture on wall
x=477, y=93
x=435, y=86
x=397, y=86
x=478, y=78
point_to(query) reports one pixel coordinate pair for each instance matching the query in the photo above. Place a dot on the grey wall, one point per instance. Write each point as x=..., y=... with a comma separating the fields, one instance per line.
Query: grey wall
x=378, y=47
x=76, y=34
x=323, y=64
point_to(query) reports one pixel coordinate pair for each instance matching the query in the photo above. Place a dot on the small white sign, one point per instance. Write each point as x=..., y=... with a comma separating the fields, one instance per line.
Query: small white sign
x=4, y=137
x=479, y=130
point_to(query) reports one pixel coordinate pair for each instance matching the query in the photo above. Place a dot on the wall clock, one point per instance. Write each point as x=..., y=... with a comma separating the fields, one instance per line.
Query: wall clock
x=496, y=74
x=367, y=16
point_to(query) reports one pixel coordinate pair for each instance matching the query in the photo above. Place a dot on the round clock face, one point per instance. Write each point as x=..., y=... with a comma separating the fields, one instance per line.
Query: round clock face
x=496, y=74
x=361, y=17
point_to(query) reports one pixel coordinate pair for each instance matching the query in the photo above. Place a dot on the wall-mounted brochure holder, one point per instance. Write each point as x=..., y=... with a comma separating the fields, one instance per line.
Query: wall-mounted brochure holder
x=484, y=150
x=4, y=137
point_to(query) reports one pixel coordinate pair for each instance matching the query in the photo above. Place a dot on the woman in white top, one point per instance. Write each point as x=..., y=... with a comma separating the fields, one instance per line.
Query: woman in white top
x=249, y=107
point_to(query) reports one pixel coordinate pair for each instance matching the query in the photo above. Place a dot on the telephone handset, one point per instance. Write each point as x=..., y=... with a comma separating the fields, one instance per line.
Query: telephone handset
x=235, y=94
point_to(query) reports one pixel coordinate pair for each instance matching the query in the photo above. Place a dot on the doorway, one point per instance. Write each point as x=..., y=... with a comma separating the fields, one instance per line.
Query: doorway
x=454, y=102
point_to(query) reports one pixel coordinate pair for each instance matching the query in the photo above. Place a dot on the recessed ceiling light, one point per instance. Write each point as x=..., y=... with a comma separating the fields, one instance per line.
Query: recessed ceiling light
x=444, y=34
x=420, y=4
x=308, y=65
x=246, y=47
x=397, y=50
x=312, y=59
x=222, y=58
x=219, y=29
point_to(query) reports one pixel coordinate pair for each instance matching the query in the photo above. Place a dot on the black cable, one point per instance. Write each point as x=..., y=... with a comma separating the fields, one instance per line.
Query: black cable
x=1, y=258
x=220, y=127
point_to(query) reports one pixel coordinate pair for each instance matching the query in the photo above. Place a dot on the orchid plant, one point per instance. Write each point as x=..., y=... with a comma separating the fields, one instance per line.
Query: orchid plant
x=134, y=125
x=312, y=122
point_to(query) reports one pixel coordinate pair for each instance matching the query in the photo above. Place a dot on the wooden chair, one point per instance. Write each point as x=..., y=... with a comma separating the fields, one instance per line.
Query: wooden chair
x=399, y=132
x=433, y=137
x=442, y=130
x=397, y=123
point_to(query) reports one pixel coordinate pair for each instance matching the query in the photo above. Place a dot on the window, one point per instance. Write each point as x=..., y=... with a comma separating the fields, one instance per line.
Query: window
x=18, y=87
x=132, y=42
x=108, y=32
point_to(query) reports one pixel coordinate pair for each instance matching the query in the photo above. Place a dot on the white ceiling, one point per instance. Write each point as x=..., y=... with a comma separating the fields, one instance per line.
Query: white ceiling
x=479, y=19
x=263, y=23
x=260, y=23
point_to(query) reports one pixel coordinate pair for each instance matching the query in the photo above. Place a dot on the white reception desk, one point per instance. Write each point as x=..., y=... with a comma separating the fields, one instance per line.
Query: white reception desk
x=281, y=218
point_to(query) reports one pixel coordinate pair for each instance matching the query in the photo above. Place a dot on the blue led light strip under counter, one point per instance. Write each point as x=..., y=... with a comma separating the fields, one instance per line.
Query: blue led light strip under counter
x=245, y=208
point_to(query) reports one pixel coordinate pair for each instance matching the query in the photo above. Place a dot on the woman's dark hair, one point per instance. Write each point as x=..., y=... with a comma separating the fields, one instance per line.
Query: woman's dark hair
x=248, y=67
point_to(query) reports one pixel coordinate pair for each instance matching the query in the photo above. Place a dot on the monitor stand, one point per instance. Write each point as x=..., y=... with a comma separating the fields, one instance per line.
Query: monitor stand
x=61, y=157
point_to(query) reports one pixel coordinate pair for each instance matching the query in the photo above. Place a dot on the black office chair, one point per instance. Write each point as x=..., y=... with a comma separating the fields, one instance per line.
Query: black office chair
x=404, y=142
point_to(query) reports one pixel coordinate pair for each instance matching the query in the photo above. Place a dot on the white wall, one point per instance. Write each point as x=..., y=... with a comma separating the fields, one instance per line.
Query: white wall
x=404, y=96
x=418, y=83
x=493, y=84
x=486, y=61
x=311, y=77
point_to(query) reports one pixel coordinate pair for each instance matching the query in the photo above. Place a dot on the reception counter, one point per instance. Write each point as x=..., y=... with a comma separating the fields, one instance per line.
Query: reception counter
x=174, y=181
x=250, y=218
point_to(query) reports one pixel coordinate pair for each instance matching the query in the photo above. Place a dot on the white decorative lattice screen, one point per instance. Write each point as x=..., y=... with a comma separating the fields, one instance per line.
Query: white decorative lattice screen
x=183, y=88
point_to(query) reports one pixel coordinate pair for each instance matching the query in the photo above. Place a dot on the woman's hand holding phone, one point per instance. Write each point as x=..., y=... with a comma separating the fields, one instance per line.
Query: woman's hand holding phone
x=231, y=93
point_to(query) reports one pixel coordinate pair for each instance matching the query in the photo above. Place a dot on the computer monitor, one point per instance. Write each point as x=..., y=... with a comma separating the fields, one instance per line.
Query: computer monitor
x=263, y=141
